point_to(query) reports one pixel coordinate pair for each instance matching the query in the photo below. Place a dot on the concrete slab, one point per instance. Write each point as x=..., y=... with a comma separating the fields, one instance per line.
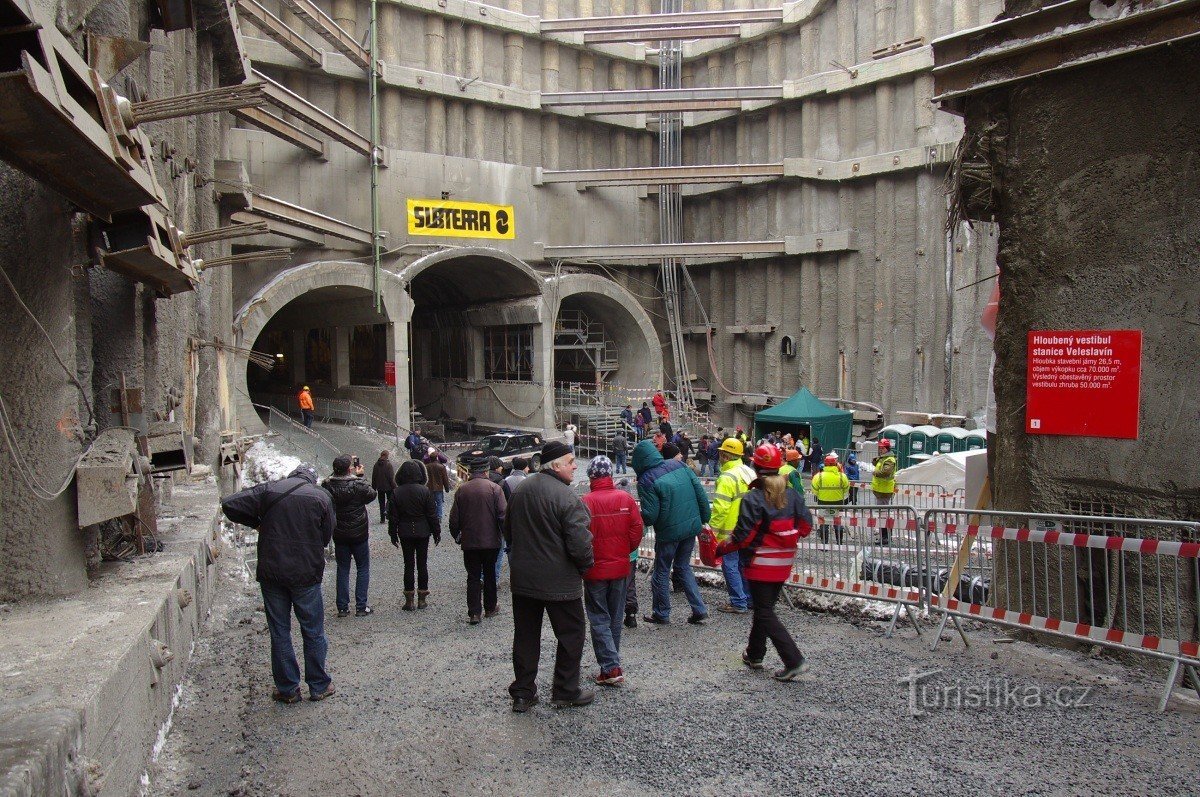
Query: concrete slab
x=89, y=679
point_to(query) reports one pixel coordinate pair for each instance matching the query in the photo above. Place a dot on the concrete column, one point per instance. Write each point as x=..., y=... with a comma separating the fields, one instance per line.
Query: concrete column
x=345, y=15
x=435, y=107
x=456, y=124
x=341, y=356
x=399, y=308
x=543, y=361
x=298, y=349
x=514, y=75
x=587, y=82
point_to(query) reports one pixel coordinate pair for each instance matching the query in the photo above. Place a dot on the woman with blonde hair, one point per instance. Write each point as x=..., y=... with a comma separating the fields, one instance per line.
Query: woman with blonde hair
x=771, y=521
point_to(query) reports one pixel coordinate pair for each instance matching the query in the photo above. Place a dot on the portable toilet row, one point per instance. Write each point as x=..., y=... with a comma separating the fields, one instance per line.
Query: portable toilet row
x=916, y=444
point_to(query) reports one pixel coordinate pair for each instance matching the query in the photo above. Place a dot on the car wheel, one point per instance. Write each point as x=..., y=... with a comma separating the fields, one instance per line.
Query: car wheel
x=535, y=463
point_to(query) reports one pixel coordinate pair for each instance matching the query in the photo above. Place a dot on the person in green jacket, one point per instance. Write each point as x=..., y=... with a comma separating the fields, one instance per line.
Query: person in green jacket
x=673, y=501
x=733, y=482
x=883, y=479
x=830, y=487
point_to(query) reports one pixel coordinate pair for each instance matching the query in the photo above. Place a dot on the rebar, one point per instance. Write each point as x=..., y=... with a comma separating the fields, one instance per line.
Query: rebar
x=244, y=257
x=224, y=233
x=225, y=98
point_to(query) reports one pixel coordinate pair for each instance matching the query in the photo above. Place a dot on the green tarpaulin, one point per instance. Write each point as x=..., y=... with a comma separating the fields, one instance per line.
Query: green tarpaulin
x=833, y=427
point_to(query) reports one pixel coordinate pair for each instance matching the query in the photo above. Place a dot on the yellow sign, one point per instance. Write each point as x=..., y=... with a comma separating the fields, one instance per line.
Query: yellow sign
x=443, y=217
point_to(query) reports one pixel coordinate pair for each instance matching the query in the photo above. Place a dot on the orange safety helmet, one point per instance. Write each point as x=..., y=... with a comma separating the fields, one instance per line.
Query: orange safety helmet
x=767, y=457
x=885, y=445
x=792, y=455
x=831, y=460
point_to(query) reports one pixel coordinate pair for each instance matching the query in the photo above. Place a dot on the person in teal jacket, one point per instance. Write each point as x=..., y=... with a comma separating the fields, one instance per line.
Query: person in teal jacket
x=674, y=502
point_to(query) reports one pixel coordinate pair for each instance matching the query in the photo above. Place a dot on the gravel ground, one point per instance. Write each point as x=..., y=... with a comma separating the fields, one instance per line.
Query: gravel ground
x=422, y=709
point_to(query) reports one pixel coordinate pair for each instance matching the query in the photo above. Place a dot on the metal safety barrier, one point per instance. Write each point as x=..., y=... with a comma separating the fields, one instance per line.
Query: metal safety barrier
x=1126, y=583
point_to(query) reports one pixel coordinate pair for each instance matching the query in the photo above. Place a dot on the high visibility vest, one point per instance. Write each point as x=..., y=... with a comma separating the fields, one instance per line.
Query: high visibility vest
x=732, y=483
x=830, y=485
x=880, y=484
x=772, y=560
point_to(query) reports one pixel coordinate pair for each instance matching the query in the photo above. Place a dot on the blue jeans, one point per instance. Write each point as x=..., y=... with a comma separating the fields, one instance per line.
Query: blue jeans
x=619, y=462
x=665, y=555
x=309, y=606
x=735, y=582
x=361, y=553
x=499, y=561
x=605, y=605
x=307, y=415
x=439, y=501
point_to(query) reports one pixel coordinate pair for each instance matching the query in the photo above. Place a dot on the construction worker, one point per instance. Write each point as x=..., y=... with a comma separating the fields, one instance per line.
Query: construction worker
x=830, y=487
x=733, y=481
x=791, y=472
x=306, y=406
x=883, y=480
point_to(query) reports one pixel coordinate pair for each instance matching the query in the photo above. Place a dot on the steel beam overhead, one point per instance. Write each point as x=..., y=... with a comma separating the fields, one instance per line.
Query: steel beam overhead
x=660, y=34
x=283, y=129
x=832, y=241
x=729, y=16
x=1053, y=38
x=269, y=207
x=280, y=228
x=297, y=106
x=330, y=31
x=664, y=175
x=628, y=96
x=280, y=31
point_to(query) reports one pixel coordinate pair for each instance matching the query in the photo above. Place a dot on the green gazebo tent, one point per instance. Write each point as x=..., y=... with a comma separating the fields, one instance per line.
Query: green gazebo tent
x=833, y=427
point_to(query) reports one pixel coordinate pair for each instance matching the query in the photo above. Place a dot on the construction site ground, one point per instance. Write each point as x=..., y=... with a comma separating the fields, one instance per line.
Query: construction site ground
x=422, y=708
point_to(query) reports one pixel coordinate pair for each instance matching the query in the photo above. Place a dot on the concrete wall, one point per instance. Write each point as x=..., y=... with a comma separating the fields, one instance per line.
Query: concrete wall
x=1100, y=228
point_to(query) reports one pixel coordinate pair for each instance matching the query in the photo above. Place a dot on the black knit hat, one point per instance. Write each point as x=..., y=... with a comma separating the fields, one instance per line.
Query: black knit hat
x=553, y=450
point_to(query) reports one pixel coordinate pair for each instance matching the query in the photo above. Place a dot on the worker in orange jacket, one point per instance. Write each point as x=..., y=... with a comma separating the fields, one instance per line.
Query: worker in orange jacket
x=306, y=406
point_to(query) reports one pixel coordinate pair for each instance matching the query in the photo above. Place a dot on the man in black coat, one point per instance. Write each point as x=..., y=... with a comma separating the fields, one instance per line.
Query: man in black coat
x=383, y=481
x=550, y=543
x=350, y=539
x=295, y=521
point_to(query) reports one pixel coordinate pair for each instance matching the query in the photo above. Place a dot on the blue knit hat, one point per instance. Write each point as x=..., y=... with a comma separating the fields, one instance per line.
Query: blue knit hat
x=599, y=467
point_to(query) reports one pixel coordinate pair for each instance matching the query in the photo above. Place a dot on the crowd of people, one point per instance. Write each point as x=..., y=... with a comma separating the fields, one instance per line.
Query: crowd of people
x=571, y=558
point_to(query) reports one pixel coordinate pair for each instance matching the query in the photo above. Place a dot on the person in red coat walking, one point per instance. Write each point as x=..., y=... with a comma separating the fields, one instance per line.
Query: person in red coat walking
x=770, y=523
x=616, y=533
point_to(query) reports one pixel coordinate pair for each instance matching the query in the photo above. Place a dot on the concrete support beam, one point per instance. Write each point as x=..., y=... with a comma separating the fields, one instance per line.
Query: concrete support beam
x=659, y=34
x=285, y=130
x=280, y=31
x=666, y=99
x=292, y=103
x=281, y=228
x=661, y=175
x=813, y=243
x=272, y=208
x=341, y=356
x=687, y=18
x=329, y=30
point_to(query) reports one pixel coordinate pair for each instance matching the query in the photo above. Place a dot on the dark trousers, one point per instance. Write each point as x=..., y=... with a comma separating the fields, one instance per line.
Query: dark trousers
x=307, y=415
x=360, y=552
x=481, y=579
x=570, y=627
x=767, y=625
x=416, y=553
x=384, y=496
x=631, y=601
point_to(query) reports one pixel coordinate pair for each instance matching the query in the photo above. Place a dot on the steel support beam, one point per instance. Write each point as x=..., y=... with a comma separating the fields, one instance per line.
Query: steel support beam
x=297, y=106
x=280, y=228
x=283, y=129
x=280, y=31
x=330, y=31
x=662, y=96
x=272, y=208
x=694, y=18
x=662, y=175
x=1054, y=38
x=659, y=34
x=712, y=251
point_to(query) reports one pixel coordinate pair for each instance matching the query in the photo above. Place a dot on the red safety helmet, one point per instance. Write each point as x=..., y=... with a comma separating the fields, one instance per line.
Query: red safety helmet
x=885, y=445
x=767, y=457
x=831, y=460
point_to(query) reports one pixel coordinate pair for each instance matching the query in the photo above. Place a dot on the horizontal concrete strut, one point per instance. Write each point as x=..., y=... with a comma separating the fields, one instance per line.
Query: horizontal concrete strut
x=587, y=98
x=272, y=208
x=715, y=251
x=290, y=102
x=1053, y=38
x=281, y=128
x=280, y=31
x=663, y=175
x=330, y=31
x=661, y=34
x=686, y=18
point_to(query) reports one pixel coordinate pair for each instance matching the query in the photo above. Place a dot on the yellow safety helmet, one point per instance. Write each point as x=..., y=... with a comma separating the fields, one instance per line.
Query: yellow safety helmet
x=733, y=446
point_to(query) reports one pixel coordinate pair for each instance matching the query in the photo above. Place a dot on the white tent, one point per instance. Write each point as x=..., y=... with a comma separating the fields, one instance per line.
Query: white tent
x=948, y=470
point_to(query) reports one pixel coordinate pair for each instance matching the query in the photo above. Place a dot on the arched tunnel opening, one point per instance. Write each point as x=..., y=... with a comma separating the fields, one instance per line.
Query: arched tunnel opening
x=598, y=341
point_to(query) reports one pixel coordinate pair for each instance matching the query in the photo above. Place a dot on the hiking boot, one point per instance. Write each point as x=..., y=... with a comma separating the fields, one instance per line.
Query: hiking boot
x=474, y=619
x=729, y=608
x=409, y=606
x=280, y=697
x=343, y=612
x=613, y=677
x=791, y=673
x=422, y=596
x=318, y=696
x=698, y=619
x=631, y=621
x=584, y=698
x=492, y=612
x=754, y=664
x=364, y=611
x=523, y=704
x=654, y=619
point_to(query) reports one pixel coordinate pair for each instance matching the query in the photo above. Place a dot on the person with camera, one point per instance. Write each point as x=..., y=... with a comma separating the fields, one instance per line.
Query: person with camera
x=351, y=495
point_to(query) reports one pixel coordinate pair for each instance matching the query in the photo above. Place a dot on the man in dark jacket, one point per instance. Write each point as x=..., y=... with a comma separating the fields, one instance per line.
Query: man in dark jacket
x=383, y=481
x=439, y=479
x=674, y=502
x=414, y=444
x=476, y=520
x=496, y=474
x=350, y=539
x=413, y=519
x=551, y=549
x=295, y=521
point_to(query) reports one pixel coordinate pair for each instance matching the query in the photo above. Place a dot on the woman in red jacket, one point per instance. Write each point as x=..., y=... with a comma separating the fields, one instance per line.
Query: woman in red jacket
x=616, y=532
x=771, y=521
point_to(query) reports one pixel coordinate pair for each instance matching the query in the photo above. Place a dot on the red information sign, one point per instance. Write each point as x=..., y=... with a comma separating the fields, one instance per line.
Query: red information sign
x=1084, y=382
x=389, y=373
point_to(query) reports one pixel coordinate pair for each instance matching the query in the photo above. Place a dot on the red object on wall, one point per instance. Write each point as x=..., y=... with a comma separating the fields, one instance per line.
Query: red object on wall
x=389, y=373
x=1083, y=382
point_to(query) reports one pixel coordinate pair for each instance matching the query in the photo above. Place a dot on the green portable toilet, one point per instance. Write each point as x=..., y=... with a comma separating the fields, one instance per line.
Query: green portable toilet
x=898, y=434
x=950, y=439
x=976, y=440
x=922, y=440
